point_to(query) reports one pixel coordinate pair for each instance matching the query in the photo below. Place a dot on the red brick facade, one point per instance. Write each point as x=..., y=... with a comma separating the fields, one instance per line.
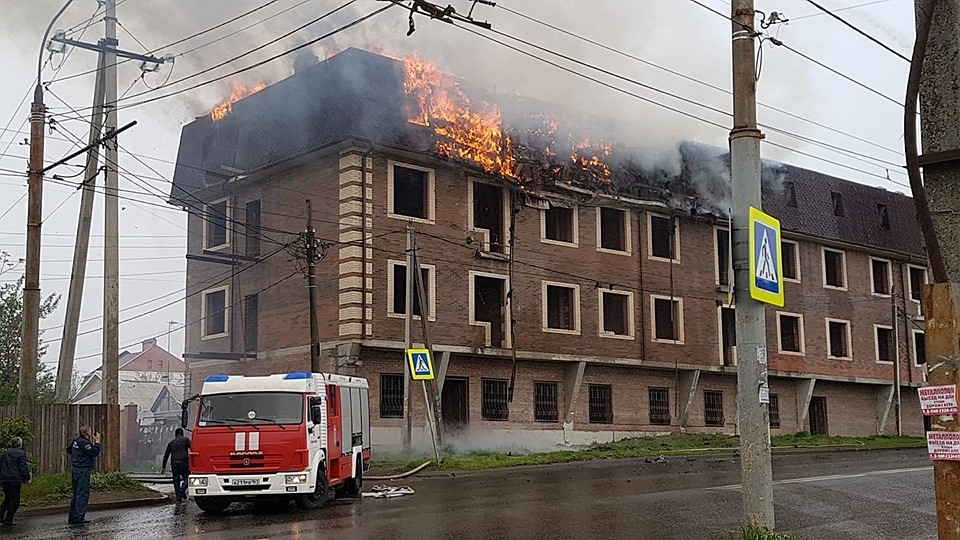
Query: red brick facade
x=348, y=188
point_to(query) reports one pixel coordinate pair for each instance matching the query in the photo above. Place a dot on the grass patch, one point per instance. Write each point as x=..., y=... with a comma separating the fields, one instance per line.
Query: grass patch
x=53, y=488
x=639, y=447
x=757, y=532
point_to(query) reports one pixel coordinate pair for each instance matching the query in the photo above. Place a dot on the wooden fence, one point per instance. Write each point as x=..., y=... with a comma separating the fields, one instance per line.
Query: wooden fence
x=56, y=426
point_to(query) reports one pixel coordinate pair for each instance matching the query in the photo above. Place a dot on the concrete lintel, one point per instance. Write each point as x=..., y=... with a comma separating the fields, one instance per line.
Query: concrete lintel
x=885, y=397
x=688, y=391
x=572, y=379
x=804, y=395
x=442, y=370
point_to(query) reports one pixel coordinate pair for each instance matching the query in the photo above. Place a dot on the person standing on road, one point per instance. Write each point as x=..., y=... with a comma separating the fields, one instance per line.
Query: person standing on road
x=13, y=473
x=83, y=453
x=178, y=451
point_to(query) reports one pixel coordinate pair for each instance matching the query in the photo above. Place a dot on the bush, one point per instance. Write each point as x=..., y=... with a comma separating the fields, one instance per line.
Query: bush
x=53, y=488
x=758, y=532
x=15, y=427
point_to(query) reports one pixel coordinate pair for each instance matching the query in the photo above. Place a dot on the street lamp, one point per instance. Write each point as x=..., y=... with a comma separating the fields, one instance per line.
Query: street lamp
x=31, y=289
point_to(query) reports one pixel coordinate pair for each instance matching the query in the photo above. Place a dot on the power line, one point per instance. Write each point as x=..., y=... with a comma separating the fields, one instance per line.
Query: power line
x=857, y=30
x=693, y=79
x=261, y=63
x=695, y=102
x=172, y=44
x=803, y=55
x=654, y=102
x=802, y=17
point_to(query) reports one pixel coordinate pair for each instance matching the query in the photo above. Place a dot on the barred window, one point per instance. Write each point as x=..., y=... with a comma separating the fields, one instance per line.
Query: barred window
x=545, y=402
x=713, y=408
x=774, y=411
x=601, y=403
x=493, y=404
x=391, y=395
x=660, y=406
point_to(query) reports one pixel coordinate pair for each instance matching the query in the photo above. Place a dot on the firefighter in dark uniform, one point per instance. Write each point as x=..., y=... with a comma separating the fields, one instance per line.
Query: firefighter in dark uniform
x=83, y=453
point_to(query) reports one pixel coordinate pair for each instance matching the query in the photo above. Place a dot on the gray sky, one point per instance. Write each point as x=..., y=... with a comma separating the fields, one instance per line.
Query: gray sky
x=676, y=34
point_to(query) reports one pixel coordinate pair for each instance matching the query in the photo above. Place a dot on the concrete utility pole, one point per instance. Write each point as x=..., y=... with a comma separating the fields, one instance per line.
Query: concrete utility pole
x=311, y=241
x=111, y=231
x=408, y=339
x=935, y=73
x=757, y=475
x=431, y=396
x=68, y=342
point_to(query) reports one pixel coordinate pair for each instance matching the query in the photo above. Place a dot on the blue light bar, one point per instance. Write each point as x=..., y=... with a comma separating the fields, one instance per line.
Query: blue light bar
x=217, y=378
x=295, y=375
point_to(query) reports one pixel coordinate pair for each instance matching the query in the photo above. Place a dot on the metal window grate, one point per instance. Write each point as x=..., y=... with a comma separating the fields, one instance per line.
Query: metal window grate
x=601, y=404
x=774, y=411
x=545, y=402
x=493, y=401
x=713, y=408
x=391, y=395
x=660, y=406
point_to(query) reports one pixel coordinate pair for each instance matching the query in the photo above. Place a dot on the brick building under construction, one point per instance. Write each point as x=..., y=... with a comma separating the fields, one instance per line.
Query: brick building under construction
x=599, y=289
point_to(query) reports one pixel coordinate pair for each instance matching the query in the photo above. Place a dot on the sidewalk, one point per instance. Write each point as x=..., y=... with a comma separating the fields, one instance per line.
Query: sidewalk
x=107, y=500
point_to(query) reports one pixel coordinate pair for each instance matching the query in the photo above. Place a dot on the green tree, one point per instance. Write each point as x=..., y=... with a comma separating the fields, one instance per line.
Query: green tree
x=11, y=322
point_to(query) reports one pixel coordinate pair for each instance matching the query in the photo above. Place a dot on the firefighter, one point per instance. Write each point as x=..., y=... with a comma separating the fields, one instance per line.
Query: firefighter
x=13, y=473
x=83, y=452
x=179, y=450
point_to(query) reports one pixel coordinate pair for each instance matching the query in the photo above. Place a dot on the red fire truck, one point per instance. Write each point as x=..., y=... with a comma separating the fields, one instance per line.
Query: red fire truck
x=297, y=435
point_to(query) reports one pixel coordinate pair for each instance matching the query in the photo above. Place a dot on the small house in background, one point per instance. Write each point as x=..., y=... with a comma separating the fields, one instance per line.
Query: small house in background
x=150, y=390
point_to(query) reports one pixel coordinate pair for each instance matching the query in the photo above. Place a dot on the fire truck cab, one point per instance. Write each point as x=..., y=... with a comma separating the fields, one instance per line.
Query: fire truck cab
x=295, y=435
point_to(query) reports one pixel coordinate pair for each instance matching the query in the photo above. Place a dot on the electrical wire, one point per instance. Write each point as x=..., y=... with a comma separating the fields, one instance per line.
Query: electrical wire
x=802, y=17
x=857, y=30
x=693, y=79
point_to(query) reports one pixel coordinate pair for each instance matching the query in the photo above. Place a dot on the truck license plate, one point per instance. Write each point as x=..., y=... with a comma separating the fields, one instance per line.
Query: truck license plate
x=243, y=482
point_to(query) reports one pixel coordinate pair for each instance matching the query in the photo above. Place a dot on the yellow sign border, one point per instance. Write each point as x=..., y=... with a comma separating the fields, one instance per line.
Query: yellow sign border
x=758, y=294
x=413, y=371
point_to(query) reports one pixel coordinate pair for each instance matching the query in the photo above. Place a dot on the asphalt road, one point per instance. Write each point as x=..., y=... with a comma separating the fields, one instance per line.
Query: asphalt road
x=850, y=495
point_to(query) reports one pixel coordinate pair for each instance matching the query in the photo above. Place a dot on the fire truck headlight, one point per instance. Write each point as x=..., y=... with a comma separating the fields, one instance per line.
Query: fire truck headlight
x=296, y=479
x=198, y=481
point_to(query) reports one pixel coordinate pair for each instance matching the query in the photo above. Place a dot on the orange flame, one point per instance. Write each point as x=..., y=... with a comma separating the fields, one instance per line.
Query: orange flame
x=465, y=132
x=239, y=92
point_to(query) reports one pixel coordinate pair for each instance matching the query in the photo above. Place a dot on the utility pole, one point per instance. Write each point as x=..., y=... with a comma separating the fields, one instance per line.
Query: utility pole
x=27, y=396
x=408, y=340
x=111, y=231
x=430, y=394
x=896, y=358
x=756, y=470
x=68, y=342
x=935, y=76
x=311, y=241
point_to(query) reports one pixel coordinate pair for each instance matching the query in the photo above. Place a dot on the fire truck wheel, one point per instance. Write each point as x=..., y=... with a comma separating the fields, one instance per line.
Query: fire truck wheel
x=353, y=486
x=212, y=505
x=319, y=496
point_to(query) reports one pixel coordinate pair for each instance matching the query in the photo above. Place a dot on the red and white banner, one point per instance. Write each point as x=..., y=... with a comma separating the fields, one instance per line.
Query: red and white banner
x=943, y=446
x=938, y=400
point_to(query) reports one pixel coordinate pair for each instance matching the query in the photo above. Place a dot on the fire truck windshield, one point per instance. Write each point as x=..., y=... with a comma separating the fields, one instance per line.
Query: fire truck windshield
x=251, y=408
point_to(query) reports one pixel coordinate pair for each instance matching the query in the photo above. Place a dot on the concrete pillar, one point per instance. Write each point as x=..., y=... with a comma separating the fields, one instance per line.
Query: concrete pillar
x=688, y=392
x=572, y=380
x=804, y=395
x=885, y=395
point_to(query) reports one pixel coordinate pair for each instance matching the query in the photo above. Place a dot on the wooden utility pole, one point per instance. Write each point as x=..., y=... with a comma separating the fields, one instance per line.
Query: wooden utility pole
x=756, y=469
x=310, y=237
x=68, y=341
x=935, y=75
x=111, y=226
x=31, y=290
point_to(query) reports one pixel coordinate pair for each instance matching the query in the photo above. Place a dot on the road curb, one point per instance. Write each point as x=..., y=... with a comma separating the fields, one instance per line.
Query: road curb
x=95, y=507
x=697, y=453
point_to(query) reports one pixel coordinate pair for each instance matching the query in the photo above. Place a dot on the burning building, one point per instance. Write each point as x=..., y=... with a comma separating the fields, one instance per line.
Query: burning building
x=553, y=261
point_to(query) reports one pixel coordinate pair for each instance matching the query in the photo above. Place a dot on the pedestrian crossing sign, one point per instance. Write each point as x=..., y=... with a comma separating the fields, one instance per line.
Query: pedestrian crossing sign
x=766, y=262
x=421, y=365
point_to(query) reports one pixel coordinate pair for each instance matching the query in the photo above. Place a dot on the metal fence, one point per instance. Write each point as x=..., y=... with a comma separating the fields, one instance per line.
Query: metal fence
x=55, y=426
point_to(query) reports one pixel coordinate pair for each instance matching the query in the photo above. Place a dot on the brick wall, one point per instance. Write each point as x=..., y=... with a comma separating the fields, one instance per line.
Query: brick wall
x=354, y=288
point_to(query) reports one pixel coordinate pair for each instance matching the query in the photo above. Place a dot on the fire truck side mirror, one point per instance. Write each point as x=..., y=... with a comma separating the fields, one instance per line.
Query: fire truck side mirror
x=183, y=417
x=316, y=411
